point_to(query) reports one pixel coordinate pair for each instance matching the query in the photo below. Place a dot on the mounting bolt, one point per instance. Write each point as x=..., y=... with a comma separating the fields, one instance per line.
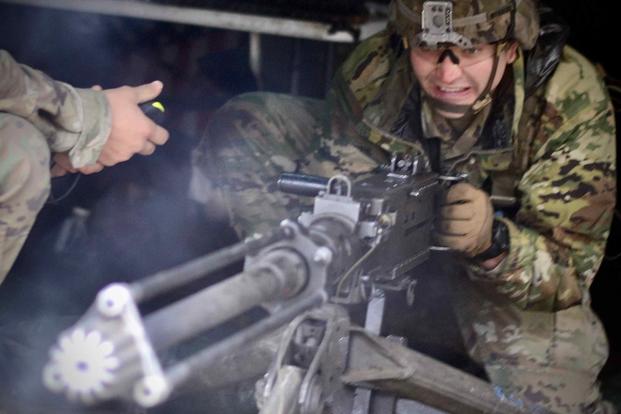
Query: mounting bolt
x=323, y=255
x=151, y=390
x=112, y=300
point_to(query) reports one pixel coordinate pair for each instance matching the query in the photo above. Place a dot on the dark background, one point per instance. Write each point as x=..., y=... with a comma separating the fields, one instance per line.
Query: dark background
x=139, y=217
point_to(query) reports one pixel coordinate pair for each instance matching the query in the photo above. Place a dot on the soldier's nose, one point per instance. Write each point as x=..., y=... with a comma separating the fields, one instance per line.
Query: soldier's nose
x=447, y=71
x=448, y=53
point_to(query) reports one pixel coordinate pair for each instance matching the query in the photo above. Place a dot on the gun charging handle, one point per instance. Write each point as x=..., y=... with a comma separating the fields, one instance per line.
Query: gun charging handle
x=302, y=184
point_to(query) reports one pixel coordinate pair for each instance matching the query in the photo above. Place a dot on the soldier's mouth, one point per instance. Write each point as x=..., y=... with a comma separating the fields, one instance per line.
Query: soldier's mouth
x=453, y=94
x=452, y=91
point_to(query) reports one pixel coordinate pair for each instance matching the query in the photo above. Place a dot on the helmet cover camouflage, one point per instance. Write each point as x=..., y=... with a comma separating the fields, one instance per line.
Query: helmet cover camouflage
x=466, y=23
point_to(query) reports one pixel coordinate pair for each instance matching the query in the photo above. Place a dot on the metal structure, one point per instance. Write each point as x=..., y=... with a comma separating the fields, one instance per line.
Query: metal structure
x=214, y=18
x=257, y=25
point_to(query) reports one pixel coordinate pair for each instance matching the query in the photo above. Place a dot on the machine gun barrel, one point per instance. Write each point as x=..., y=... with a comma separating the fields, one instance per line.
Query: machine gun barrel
x=182, y=371
x=352, y=241
x=356, y=243
x=280, y=275
x=196, y=269
x=287, y=271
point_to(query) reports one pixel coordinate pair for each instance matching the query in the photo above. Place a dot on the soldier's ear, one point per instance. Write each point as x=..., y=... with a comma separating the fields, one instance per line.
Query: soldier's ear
x=511, y=52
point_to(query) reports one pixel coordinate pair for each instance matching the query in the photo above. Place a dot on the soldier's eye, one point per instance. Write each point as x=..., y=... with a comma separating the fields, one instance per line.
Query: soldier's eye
x=472, y=51
x=426, y=52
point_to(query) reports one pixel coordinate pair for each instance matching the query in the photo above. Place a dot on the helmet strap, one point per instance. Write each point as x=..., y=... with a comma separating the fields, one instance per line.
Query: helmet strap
x=439, y=105
x=486, y=97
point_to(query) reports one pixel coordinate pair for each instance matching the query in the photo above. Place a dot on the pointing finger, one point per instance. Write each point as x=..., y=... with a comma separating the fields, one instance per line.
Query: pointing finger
x=148, y=91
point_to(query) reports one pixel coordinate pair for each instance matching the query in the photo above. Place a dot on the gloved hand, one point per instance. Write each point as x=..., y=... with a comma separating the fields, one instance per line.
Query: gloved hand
x=466, y=220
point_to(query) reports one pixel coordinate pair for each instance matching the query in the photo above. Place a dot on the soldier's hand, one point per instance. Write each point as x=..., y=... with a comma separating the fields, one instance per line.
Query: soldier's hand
x=62, y=165
x=132, y=131
x=466, y=219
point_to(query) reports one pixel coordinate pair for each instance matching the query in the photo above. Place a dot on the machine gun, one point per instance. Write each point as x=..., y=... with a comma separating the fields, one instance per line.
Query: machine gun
x=359, y=241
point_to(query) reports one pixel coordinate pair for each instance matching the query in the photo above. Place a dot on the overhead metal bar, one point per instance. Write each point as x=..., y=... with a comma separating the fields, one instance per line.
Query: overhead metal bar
x=211, y=18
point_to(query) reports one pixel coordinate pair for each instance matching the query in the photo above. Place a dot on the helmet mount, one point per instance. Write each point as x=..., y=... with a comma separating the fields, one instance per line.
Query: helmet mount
x=465, y=24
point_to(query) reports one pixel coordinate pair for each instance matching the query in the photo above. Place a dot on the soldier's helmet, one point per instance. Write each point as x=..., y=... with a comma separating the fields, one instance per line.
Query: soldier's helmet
x=465, y=23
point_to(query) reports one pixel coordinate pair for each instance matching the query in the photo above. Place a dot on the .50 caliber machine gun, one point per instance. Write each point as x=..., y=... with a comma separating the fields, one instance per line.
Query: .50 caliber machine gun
x=358, y=241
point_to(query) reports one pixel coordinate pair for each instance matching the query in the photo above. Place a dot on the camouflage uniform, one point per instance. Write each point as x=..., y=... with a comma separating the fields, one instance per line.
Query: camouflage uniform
x=39, y=116
x=552, y=145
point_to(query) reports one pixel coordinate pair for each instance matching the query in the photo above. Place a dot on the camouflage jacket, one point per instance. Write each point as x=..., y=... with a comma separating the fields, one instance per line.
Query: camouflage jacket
x=552, y=146
x=74, y=120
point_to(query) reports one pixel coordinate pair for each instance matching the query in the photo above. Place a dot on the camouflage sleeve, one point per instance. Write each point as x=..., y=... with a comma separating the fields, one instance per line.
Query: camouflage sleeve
x=74, y=120
x=568, y=194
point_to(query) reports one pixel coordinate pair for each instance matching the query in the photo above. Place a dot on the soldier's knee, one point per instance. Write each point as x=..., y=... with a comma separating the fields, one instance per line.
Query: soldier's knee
x=251, y=101
x=240, y=116
x=268, y=114
x=25, y=174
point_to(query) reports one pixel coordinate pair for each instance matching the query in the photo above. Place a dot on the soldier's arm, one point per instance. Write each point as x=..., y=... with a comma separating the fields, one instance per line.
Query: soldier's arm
x=73, y=120
x=568, y=194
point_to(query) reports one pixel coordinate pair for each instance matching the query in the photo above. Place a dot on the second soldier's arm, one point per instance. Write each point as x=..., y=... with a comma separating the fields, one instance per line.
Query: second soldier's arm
x=73, y=120
x=86, y=128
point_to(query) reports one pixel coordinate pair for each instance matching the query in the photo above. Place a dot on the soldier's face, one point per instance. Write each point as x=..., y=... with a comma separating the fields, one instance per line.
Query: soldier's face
x=455, y=78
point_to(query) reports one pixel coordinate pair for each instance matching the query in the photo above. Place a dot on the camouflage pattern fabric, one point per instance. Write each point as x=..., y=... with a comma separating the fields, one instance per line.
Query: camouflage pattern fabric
x=562, y=164
x=252, y=140
x=24, y=184
x=551, y=358
x=38, y=116
x=479, y=21
x=562, y=169
x=528, y=322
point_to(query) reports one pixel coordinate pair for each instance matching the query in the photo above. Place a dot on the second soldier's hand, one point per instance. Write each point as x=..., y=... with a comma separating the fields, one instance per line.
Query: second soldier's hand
x=132, y=131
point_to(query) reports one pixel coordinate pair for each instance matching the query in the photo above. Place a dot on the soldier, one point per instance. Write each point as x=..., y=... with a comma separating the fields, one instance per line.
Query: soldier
x=82, y=130
x=526, y=117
